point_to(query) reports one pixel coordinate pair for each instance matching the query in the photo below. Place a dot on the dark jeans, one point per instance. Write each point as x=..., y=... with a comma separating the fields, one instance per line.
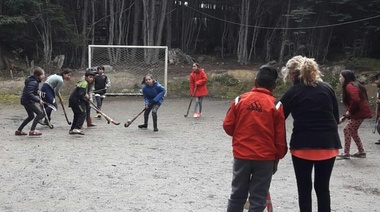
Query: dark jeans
x=79, y=111
x=253, y=177
x=322, y=173
x=31, y=109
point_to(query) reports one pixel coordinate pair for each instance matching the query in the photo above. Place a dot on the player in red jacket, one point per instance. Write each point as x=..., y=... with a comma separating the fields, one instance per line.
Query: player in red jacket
x=198, y=88
x=257, y=126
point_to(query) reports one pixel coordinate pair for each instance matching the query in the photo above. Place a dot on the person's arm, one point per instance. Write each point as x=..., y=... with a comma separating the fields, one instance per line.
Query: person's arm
x=30, y=89
x=108, y=82
x=161, y=93
x=280, y=132
x=203, y=79
x=229, y=121
x=353, y=93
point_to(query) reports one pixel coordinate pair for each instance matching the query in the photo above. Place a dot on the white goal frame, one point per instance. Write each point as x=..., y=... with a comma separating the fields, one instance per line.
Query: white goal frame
x=134, y=60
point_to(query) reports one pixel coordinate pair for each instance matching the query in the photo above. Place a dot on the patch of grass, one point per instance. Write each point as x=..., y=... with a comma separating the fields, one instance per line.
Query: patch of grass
x=363, y=64
x=9, y=98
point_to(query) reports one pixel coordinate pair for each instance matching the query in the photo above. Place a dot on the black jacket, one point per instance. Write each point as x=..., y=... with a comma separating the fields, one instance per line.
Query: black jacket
x=316, y=116
x=30, y=91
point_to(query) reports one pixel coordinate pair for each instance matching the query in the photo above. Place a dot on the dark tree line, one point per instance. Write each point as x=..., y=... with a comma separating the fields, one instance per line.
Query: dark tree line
x=246, y=30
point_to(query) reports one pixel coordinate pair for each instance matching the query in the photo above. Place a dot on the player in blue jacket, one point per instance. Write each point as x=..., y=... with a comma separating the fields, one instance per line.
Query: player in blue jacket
x=153, y=93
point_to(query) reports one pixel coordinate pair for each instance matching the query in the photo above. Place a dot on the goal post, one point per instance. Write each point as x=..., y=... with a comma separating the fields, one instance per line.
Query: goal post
x=129, y=65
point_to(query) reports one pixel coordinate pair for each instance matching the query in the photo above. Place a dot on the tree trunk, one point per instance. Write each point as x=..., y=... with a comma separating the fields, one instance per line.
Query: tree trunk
x=136, y=27
x=284, y=37
x=84, y=33
x=243, y=32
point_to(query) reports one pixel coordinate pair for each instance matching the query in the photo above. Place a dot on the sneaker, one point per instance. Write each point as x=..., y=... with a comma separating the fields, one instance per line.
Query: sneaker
x=377, y=142
x=155, y=129
x=343, y=156
x=98, y=116
x=359, y=155
x=195, y=115
x=76, y=132
x=18, y=132
x=143, y=126
x=34, y=133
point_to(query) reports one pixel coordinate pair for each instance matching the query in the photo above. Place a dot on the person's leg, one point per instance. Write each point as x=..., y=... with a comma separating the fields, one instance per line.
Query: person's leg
x=240, y=185
x=355, y=124
x=81, y=115
x=87, y=115
x=30, y=117
x=146, y=118
x=76, y=110
x=302, y=170
x=154, y=116
x=347, y=131
x=48, y=95
x=200, y=103
x=39, y=113
x=322, y=174
x=196, y=105
x=261, y=178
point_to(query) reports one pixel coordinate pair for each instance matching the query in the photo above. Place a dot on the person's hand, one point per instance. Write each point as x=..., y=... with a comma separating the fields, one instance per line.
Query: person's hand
x=342, y=119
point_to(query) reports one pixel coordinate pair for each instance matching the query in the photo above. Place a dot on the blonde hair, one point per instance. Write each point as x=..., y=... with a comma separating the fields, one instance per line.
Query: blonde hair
x=305, y=69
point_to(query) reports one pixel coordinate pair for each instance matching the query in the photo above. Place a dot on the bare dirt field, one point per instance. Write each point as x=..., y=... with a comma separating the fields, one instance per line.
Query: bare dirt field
x=185, y=167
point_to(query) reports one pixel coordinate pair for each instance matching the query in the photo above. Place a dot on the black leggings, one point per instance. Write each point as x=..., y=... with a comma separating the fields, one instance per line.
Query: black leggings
x=322, y=173
x=31, y=109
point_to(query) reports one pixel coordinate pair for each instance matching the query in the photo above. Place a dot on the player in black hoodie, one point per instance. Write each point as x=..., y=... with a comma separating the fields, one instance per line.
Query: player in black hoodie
x=29, y=99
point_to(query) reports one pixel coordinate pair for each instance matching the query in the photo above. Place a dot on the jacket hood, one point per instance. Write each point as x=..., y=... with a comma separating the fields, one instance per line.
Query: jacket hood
x=31, y=78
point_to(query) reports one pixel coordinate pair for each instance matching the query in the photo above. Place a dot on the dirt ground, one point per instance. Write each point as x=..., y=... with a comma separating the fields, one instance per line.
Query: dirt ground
x=185, y=167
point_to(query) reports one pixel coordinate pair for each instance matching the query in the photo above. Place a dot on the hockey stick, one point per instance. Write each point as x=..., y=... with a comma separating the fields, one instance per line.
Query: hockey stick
x=45, y=114
x=191, y=100
x=64, y=112
x=50, y=105
x=109, y=119
x=129, y=122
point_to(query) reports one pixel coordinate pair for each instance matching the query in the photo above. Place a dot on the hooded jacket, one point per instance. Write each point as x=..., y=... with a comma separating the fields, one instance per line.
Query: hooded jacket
x=198, y=79
x=30, y=91
x=153, y=94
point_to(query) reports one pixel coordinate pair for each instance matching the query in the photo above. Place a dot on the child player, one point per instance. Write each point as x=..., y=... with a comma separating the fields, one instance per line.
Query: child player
x=52, y=88
x=29, y=99
x=257, y=126
x=101, y=83
x=77, y=101
x=153, y=93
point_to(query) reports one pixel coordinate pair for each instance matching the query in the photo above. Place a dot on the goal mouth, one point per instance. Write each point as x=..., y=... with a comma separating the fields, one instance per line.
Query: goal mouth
x=134, y=62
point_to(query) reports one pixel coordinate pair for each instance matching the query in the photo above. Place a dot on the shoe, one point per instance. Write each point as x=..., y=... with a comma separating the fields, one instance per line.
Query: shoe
x=155, y=129
x=343, y=156
x=143, y=126
x=76, y=132
x=377, y=142
x=98, y=116
x=197, y=115
x=34, y=133
x=18, y=132
x=359, y=155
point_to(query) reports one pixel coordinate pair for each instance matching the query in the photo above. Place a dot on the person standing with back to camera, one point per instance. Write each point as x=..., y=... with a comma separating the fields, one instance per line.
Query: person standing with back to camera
x=315, y=141
x=355, y=99
x=153, y=93
x=257, y=126
x=198, y=88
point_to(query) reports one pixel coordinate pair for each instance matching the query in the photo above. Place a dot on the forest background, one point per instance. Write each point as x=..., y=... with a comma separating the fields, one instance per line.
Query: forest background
x=243, y=32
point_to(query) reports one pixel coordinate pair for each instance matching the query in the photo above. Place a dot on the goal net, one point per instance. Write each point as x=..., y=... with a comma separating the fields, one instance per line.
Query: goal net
x=129, y=65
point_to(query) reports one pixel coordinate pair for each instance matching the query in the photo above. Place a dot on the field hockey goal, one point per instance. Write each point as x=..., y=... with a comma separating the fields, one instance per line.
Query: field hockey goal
x=129, y=64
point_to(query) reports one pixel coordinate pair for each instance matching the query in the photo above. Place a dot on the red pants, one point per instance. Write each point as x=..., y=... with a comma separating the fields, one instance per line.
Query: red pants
x=351, y=131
